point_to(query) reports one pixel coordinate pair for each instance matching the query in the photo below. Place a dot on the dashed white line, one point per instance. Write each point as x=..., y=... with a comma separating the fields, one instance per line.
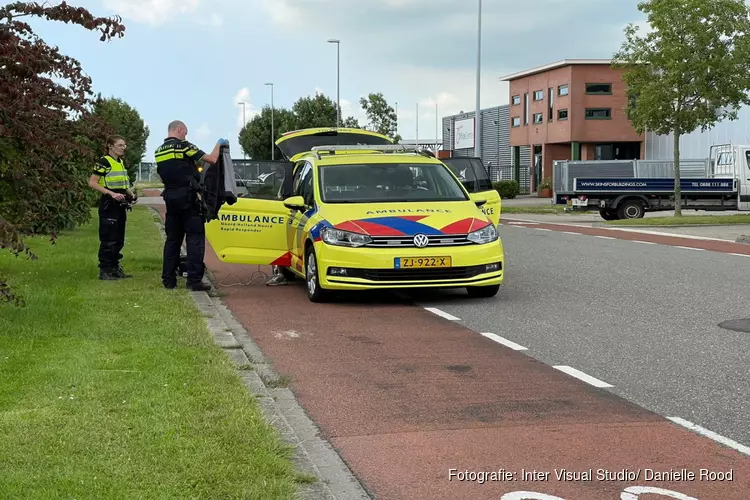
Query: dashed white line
x=442, y=314
x=582, y=376
x=740, y=254
x=542, y=229
x=571, y=232
x=691, y=248
x=710, y=434
x=606, y=237
x=644, y=242
x=505, y=342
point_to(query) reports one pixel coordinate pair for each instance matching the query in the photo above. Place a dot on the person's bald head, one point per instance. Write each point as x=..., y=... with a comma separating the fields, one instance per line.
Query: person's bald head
x=178, y=129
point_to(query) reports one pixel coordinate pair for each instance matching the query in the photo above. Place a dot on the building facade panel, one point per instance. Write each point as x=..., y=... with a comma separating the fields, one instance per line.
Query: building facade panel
x=496, y=151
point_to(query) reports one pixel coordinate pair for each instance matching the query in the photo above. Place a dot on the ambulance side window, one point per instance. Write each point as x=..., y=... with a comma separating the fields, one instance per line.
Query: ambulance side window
x=308, y=193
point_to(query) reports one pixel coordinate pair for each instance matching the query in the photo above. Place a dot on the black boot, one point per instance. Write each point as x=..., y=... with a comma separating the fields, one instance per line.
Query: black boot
x=108, y=275
x=120, y=273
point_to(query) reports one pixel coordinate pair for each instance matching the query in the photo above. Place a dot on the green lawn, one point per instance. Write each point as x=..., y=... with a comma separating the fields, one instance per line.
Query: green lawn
x=683, y=220
x=533, y=209
x=117, y=390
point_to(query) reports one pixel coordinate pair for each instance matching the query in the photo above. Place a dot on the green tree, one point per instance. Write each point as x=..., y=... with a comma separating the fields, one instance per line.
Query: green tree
x=255, y=136
x=690, y=72
x=125, y=120
x=46, y=129
x=307, y=112
x=382, y=117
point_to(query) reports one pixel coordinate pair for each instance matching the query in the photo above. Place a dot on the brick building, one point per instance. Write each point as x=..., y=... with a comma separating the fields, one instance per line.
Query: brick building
x=574, y=109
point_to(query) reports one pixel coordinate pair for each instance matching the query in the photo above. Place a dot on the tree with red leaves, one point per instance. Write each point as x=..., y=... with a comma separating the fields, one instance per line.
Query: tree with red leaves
x=49, y=137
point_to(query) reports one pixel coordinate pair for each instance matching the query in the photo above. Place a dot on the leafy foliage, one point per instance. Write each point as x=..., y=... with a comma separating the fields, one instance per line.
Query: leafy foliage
x=124, y=120
x=507, y=189
x=382, y=116
x=309, y=112
x=46, y=127
x=690, y=72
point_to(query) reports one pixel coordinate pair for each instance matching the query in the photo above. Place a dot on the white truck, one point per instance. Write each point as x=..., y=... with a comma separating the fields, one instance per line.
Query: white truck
x=627, y=189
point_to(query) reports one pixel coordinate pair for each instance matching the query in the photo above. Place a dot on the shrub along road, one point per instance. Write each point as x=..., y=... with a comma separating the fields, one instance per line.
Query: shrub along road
x=412, y=401
x=117, y=390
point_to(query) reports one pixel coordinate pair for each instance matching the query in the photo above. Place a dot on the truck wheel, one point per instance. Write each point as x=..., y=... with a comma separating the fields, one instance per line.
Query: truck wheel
x=631, y=209
x=608, y=214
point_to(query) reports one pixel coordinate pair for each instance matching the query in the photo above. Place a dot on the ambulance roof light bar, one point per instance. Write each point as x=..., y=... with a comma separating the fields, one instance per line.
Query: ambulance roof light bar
x=369, y=147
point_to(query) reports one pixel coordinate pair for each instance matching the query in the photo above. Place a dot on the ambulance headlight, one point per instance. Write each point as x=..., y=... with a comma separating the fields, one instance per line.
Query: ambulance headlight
x=487, y=234
x=344, y=238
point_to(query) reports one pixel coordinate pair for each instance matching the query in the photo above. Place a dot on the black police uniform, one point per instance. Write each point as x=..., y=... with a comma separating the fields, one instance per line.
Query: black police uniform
x=177, y=166
x=112, y=217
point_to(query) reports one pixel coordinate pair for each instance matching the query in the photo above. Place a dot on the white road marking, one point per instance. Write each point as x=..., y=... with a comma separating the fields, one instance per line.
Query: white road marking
x=582, y=376
x=643, y=231
x=710, y=434
x=605, y=237
x=740, y=254
x=442, y=314
x=691, y=248
x=644, y=242
x=571, y=232
x=505, y=342
x=542, y=229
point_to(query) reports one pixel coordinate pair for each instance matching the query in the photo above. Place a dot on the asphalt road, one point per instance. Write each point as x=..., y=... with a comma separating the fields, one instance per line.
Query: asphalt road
x=643, y=318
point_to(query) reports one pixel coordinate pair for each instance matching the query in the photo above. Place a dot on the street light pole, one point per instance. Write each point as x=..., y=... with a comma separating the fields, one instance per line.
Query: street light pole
x=396, y=117
x=338, y=80
x=436, y=127
x=478, y=113
x=273, y=150
x=244, y=122
x=417, y=138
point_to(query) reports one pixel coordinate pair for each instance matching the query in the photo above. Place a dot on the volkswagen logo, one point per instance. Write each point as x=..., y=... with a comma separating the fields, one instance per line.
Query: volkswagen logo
x=421, y=241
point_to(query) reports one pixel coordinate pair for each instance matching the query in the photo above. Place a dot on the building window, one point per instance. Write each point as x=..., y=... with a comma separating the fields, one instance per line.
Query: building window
x=516, y=100
x=598, y=113
x=538, y=95
x=599, y=88
x=562, y=90
x=562, y=114
x=551, y=102
x=526, y=110
x=538, y=117
x=515, y=121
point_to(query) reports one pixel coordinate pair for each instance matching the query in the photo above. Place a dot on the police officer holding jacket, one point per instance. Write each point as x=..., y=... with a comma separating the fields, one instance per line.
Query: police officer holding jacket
x=177, y=164
x=110, y=178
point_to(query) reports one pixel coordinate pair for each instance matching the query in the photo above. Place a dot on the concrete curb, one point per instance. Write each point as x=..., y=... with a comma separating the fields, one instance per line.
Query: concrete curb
x=313, y=455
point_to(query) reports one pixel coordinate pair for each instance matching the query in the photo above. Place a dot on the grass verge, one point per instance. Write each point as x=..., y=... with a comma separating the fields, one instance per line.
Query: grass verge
x=117, y=390
x=685, y=220
x=533, y=209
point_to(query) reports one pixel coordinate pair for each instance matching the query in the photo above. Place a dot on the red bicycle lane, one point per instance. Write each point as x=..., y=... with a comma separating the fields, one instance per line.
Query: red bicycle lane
x=420, y=407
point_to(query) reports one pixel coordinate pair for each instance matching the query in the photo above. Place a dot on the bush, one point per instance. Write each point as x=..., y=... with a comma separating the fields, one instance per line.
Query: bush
x=507, y=189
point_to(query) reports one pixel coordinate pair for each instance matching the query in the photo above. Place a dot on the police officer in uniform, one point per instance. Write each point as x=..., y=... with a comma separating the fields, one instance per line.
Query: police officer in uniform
x=177, y=164
x=111, y=179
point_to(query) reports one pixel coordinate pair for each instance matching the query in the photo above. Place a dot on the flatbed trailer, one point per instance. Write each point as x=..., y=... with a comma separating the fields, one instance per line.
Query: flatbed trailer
x=629, y=189
x=632, y=198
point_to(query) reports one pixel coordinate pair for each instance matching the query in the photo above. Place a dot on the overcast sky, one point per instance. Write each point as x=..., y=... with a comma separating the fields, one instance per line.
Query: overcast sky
x=196, y=59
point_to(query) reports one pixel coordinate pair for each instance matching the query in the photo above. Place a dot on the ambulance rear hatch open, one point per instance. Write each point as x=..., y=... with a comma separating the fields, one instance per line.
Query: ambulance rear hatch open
x=294, y=143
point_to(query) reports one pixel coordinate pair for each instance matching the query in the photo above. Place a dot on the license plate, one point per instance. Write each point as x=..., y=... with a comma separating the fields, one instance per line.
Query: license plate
x=421, y=262
x=580, y=203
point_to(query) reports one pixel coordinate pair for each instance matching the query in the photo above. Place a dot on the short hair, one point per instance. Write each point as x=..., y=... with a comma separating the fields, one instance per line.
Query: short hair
x=175, y=124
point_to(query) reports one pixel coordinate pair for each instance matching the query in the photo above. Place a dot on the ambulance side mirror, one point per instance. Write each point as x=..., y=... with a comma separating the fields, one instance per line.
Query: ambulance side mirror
x=295, y=203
